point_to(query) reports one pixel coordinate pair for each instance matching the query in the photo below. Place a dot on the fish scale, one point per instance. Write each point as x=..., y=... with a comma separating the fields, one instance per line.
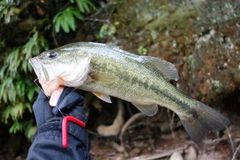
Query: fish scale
x=106, y=70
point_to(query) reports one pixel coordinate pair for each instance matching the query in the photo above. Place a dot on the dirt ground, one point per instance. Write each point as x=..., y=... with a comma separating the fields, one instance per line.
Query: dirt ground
x=143, y=141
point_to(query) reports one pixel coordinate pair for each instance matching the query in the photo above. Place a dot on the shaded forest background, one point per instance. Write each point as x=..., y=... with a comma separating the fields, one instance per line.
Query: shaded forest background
x=201, y=38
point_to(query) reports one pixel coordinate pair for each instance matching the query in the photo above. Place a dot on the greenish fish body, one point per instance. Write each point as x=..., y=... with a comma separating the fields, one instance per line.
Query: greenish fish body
x=106, y=70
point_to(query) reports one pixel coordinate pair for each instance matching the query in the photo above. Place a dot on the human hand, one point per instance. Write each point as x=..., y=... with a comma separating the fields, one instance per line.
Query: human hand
x=63, y=101
x=51, y=86
x=53, y=91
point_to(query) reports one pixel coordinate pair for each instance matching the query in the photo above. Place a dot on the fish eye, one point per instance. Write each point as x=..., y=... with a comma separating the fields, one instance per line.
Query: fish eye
x=52, y=54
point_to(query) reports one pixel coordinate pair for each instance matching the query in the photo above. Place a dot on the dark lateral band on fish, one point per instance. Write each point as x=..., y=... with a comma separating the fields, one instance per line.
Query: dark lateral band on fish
x=106, y=70
x=181, y=103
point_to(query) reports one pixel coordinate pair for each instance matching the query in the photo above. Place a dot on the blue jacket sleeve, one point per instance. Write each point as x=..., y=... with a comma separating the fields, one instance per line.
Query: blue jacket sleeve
x=47, y=141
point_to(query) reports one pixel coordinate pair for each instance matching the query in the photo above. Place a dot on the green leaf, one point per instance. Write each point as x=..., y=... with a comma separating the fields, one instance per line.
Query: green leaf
x=30, y=131
x=80, y=5
x=107, y=30
x=31, y=93
x=17, y=91
x=6, y=114
x=83, y=5
x=77, y=14
x=17, y=111
x=57, y=26
x=66, y=19
x=92, y=5
x=65, y=25
x=17, y=126
x=57, y=21
x=71, y=23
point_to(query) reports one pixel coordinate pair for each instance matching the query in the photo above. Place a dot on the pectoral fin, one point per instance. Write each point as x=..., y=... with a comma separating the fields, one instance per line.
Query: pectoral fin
x=149, y=110
x=103, y=97
x=167, y=69
x=103, y=77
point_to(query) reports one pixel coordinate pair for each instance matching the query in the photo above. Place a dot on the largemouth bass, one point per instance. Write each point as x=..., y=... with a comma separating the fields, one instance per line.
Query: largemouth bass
x=106, y=70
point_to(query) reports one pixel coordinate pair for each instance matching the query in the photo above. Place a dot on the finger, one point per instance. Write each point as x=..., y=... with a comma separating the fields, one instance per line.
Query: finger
x=55, y=96
x=52, y=85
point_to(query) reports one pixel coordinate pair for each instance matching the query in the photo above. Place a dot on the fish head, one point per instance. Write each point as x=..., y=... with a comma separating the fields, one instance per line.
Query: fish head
x=64, y=66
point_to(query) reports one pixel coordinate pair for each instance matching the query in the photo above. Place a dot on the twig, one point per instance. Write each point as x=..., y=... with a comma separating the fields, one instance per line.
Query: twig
x=115, y=128
x=236, y=140
x=204, y=149
x=210, y=142
x=160, y=114
x=171, y=119
x=127, y=124
x=230, y=139
x=97, y=20
x=235, y=153
x=91, y=132
x=54, y=38
x=151, y=142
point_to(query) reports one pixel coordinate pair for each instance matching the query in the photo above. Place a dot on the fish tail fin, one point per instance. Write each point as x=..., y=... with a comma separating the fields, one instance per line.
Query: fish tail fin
x=204, y=120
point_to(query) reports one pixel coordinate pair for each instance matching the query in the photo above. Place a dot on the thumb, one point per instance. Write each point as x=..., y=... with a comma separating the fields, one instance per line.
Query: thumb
x=55, y=96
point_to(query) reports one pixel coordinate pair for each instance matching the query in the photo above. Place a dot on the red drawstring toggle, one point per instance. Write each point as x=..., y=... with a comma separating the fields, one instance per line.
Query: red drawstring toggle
x=65, y=128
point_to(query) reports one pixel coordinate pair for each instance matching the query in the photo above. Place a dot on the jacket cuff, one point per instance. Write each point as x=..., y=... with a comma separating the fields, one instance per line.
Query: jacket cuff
x=73, y=130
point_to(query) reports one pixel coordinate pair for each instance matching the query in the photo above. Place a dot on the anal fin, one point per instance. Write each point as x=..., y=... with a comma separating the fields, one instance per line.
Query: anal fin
x=149, y=110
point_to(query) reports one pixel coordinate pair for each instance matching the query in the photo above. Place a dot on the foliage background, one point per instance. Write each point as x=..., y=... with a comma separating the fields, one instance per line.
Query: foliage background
x=26, y=29
x=201, y=39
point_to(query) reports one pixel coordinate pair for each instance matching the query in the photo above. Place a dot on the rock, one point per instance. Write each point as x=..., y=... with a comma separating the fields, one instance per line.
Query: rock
x=121, y=157
x=190, y=153
x=135, y=152
x=176, y=156
x=205, y=49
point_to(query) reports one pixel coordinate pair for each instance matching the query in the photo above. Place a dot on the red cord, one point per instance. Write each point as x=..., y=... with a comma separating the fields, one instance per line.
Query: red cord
x=65, y=128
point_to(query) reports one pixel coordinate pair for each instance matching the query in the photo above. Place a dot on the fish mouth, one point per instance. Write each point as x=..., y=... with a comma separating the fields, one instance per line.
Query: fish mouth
x=43, y=72
x=39, y=70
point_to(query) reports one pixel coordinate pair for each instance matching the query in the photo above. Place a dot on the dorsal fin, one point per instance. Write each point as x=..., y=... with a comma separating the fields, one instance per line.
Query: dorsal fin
x=167, y=69
x=112, y=45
